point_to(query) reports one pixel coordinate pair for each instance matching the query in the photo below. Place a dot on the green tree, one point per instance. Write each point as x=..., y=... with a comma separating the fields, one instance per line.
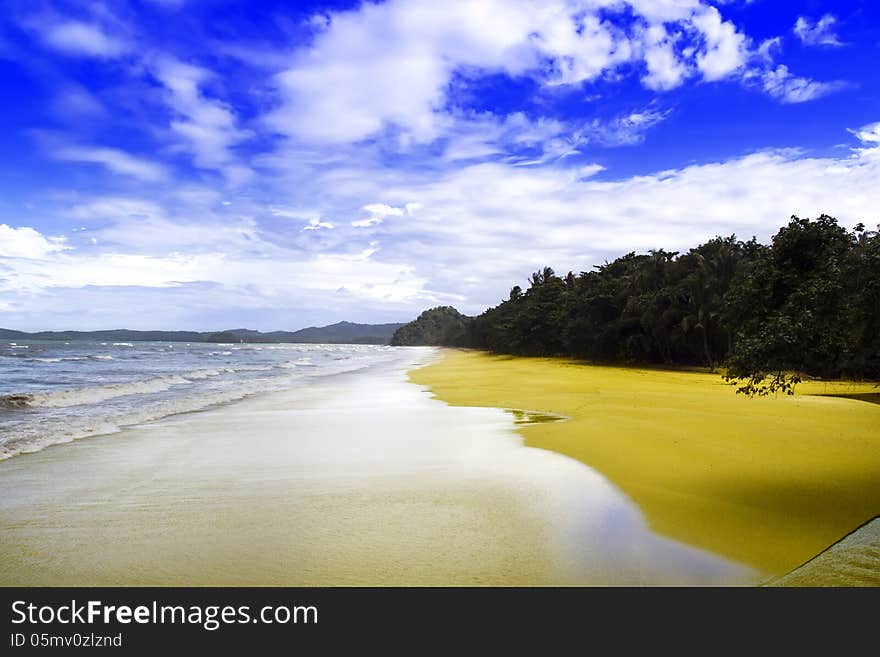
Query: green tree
x=789, y=303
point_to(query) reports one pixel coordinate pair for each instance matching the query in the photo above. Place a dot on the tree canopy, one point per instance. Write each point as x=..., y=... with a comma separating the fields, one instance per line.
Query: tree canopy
x=442, y=325
x=806, y=304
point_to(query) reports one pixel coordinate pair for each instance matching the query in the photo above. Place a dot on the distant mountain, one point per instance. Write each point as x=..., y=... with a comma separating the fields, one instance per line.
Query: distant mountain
x=340, y=333
x=344, y=332
x=115, y=335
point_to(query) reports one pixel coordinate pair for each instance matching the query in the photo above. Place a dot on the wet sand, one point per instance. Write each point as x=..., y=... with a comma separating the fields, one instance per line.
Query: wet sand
x=769, y=482
x=361, y=479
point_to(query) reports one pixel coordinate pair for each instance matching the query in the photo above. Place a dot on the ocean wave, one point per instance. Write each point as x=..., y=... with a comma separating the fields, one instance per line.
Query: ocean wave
x=53, y=434
x=94, y=394
x=68, y=359
x=32, y=419
x=35, y=437
x=294, y=364
x=90, y=395
x=198, y=375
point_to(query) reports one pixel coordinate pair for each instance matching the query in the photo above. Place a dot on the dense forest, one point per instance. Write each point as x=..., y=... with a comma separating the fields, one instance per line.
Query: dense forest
x=806, y=304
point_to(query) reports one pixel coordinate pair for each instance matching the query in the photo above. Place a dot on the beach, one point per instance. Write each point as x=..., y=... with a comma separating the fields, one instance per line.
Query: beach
x=358, y=478
x=768, y=482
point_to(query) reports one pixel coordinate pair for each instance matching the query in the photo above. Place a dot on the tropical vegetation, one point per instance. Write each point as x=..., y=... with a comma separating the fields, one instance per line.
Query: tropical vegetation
x=807, y=304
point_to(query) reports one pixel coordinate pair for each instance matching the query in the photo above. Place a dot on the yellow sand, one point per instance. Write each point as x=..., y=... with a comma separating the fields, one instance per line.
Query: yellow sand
x=769, y=482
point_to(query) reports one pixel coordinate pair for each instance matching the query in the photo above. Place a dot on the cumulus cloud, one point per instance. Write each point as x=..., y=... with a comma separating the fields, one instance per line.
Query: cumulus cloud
x=726, y=49
x=665, y=69
x=27, y=243
x=820, y=33
x=389, y=65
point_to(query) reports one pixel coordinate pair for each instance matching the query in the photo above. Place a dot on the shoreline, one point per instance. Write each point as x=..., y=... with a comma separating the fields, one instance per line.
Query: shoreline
x=766, y=482
x=362, y=479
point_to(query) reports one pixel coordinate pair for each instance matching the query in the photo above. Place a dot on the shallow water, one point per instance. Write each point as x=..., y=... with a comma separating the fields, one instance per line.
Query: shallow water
x=53, y=392
x=360, y=479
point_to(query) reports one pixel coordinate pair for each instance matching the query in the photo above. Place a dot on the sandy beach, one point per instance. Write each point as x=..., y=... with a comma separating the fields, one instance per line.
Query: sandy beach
x=360, y=479
x=769, y=482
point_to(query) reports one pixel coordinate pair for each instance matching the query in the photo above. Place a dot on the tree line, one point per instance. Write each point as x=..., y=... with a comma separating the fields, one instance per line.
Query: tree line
x=808, y=303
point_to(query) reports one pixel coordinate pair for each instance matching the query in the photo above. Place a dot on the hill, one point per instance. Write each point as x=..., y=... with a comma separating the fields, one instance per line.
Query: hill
x=442, y=325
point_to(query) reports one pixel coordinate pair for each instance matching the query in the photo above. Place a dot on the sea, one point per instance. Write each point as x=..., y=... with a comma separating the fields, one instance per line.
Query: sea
x=54, y=392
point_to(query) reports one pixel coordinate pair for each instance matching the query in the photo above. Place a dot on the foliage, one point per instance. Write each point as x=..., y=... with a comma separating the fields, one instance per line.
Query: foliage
x=443, y=325
x=808, y=304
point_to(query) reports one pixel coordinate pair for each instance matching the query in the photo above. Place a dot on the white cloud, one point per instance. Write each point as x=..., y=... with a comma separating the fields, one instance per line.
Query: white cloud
x=768, y=48
x=789, y=88
x=208, y=127
x=384, y=210
x=665, y=69
x=366, y=223
x=115, y=209
x=317, y=224
x=726, y=49
x=495, y=222
x=379, y=211
x=79, y=38
x=115, y=160
x=869, y=134
x=251, y=281
x=419, y=200
x=290, y=213
x=389, y=66
x=479, y=229
x=146, y=226
x=27, y=243
x=625, y=130
x=820, y=33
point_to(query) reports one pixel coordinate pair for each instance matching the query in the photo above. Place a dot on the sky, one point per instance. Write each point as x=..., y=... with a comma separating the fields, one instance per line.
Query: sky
x=210, y=164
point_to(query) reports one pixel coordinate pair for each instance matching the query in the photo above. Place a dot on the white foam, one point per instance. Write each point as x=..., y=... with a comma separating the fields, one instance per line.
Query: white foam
x=92, y=395
x=87, y=411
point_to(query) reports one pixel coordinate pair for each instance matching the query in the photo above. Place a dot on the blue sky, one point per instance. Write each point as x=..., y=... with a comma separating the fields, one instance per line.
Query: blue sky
x=209, y=164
